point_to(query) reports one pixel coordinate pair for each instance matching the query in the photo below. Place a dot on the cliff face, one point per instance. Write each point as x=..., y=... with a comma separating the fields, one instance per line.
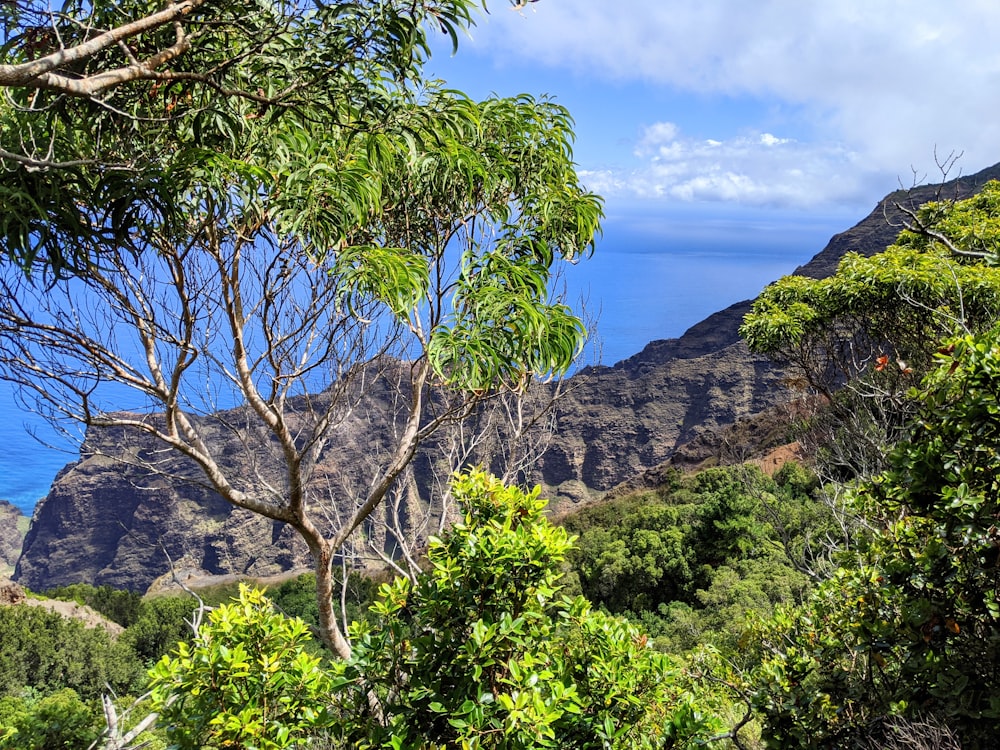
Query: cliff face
x=617, y=421
x=105, y=523
x=11, y=536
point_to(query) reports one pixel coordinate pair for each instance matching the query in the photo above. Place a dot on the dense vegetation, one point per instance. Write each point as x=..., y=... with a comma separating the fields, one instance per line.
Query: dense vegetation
x=718, y=566
x=291, y=220
x=724, y=608
x=689, y=560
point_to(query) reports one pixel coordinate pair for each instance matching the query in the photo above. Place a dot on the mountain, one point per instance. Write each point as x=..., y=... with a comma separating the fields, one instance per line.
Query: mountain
x=105, y=523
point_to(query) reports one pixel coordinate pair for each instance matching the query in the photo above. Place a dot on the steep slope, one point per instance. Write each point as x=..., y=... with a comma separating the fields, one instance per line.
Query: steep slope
x=102, y=523
x=617, y=421
x=620, y=421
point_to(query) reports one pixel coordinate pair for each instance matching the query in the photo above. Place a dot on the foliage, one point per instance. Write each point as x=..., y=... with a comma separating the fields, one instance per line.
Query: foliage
x=58, y=720
x=481, y=652
x=690, y=561
x=122, y=607
x=245, y=681
x=352, y=230
x=45, y=651
x=153, y=625
x=644, y=561
x=296, y=597
x=162, y=622
x=912, y=625
x=101, y=137
x=903, y=299
x=876, y=323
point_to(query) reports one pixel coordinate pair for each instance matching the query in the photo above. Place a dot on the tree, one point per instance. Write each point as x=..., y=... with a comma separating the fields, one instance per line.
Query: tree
x=875, y=325
x=909, y=624
x=59, y=719
x=107, y=105
x=305, y=273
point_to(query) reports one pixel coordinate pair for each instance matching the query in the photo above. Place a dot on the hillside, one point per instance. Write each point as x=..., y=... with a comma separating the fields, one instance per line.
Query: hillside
x=107, y=524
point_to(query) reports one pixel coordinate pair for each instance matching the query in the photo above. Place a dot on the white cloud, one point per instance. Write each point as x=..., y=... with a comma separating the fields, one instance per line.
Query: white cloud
x=654, y=136
x=766, y=139
x=759, y=169
x=878, y=85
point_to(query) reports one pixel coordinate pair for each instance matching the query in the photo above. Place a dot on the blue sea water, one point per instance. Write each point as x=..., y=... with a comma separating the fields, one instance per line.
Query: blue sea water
x=652, y=277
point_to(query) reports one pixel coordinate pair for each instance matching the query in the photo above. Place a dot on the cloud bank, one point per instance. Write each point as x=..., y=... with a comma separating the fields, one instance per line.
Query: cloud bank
x=757, y=170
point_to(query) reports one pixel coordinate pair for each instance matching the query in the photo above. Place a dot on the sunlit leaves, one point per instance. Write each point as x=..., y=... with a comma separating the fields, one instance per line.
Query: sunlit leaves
x=917, y=290
x=247, y=680
x=503, y=330
x=394, y=276
x=247, y=65
x=481, y=652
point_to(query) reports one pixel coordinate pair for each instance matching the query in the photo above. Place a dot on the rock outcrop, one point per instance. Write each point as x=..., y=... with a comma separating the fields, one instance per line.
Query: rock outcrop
x=107, y=524
x=618, y=421
x=11, y=536
x=12, y=595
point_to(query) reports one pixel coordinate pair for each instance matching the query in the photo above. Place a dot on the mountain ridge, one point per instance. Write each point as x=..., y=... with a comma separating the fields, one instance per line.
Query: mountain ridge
x=102, y=523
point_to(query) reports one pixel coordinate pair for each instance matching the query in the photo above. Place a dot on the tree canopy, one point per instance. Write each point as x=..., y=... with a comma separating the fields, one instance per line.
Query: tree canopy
x=479, y=651
x=899, y=303
x=875, y=325
x=108, y=108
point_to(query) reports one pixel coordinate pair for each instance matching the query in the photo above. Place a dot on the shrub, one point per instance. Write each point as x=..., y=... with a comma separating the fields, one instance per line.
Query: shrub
x=246, y=681
x=482, y=652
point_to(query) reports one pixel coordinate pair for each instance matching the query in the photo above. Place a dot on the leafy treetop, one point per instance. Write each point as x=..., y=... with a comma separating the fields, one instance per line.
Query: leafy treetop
x=110, y=106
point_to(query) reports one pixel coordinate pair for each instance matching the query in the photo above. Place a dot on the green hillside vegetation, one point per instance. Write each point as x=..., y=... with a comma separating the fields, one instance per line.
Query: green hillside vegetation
x=725, y=608
x=706, y=565
x=289, y=177
x=692, y=558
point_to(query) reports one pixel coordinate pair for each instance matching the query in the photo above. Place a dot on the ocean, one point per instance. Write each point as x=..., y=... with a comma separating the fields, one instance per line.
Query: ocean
x=652, y=277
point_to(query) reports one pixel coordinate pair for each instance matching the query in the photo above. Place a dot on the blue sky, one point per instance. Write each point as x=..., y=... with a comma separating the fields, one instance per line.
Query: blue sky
x=772, y=104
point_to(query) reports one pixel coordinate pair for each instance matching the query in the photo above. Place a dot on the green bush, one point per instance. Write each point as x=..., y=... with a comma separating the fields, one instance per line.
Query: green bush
x=122, y=607
x=910, y=625
x=478, y=652
x=59, y=720
x=482, y=652
x=245, y=681
x=296, y=597
x=690, y=561
x=45, y=651
x=161, y=623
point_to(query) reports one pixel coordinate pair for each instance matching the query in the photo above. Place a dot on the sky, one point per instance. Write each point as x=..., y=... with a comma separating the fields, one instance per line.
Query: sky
x=730, y=139
x=771, y=104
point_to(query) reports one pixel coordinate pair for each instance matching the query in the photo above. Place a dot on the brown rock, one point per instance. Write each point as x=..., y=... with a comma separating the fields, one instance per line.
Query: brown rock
x=12, y=525
x=11, y=593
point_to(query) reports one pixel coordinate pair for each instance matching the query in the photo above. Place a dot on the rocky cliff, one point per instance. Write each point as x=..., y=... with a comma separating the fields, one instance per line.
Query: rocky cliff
x=617, y=421
x=11, y=536
x=105, y=523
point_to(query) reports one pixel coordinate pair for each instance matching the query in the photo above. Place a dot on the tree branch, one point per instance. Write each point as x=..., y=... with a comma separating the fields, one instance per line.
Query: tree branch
x=38, y=74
